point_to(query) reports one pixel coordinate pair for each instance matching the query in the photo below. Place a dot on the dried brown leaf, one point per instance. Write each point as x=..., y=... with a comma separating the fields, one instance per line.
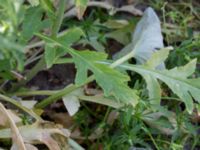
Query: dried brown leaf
x=40, y=133
x=17, y=140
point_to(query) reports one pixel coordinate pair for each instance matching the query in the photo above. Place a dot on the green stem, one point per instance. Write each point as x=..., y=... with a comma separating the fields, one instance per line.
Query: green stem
x=59, y=18
x=171, y=98
x=122, y=60
x=39, y=66
x=56, y=96
x=71, y=88
x=101, y=100
x=41, y=92
x=151, y=137
x=64, y=61
x=14, y=102
x=61, y=93
x=106, y=115
x=93, y=99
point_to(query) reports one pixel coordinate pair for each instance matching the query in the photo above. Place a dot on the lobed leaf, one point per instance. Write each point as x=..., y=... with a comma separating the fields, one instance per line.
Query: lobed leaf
x=52, y=52
x=176, y=79
x=152, y=83
x=32, y=22
x=111, y=81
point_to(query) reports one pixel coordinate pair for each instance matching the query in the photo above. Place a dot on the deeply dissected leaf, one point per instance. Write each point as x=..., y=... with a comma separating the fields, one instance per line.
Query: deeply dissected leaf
x=152, y=83
x=112, y=81
x=52, y=52
x=176, y=79
x=147, y=38
x=33, y=23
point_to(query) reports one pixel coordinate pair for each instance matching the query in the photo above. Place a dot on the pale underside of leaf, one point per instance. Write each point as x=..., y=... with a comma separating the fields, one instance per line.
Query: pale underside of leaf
x=147, y=38
x=71, y=101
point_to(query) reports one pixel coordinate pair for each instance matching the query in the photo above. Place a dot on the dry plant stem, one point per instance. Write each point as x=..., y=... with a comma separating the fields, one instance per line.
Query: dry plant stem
x=16, y=136
x=14, y=102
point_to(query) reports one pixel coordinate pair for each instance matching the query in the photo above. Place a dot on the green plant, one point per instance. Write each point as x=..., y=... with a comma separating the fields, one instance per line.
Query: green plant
x=146, y=111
